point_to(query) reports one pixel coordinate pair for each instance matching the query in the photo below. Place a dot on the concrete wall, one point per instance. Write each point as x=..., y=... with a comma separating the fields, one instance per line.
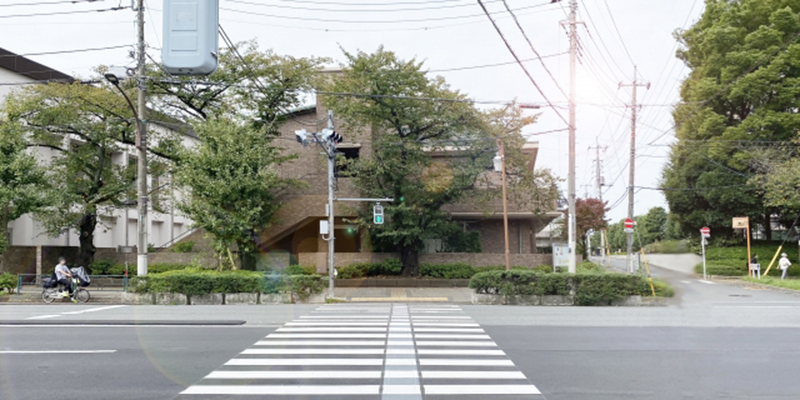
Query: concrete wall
x=475, y=259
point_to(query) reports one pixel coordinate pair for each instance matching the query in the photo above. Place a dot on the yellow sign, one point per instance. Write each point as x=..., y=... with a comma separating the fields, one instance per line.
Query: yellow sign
x=740, y=223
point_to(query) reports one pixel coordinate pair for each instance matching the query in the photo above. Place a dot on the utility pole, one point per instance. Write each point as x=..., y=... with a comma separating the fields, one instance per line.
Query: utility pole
x=505, y=204
x=600, y=190
x=632, y=164
x=141, y=260
x=573, y=44
x=331, y=188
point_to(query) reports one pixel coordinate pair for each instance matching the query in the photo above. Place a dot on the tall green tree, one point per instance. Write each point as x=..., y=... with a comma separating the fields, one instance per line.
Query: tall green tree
x=406, y=134
x=742, y=92
x=85, y=126
x=23, y=185
x=652, y=227
x=232, y=182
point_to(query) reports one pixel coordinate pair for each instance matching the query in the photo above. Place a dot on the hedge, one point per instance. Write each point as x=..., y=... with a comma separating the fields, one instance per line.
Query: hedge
x=393, y=267
x=196, y=281
x=588, y=288
x=363, y=270
x=739, y=268
x=8, y=282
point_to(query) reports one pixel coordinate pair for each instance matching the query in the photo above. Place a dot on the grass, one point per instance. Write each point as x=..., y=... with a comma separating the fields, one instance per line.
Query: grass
x=793, y=284
x=668, y=247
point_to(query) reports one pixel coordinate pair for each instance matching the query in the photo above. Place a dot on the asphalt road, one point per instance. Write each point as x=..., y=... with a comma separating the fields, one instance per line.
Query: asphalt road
x=714, y=341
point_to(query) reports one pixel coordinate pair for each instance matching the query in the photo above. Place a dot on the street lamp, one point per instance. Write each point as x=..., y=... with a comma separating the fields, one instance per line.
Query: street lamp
x=141, y=207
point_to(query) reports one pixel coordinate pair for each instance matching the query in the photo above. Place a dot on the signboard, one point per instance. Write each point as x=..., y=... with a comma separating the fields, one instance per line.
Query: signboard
x=740, y=223
x=628, y=225
x=560, y=255
x=705, y=231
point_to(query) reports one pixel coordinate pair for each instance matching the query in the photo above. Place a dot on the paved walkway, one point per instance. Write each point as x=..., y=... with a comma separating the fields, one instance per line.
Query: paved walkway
x=400, y=295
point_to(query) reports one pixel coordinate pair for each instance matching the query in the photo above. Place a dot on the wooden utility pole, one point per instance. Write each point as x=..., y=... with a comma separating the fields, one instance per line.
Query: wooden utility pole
x=573, y=47
x=632, y=162
x=600, y=190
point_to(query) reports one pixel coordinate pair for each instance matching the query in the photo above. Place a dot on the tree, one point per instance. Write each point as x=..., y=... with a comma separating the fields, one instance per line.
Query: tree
x=85, y=126
x=651, y=227
x=232, y=181
x=22, y=182
x=405, y=132
x=741, y=93
x=590, y=214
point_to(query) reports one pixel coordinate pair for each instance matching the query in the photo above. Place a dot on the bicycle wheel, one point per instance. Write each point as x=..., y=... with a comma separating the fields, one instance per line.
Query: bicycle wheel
x=82, y=295
x=46, y=297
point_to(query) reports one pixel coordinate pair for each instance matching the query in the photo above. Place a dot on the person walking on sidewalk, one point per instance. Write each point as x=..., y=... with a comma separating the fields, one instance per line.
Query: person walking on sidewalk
x=784, y=264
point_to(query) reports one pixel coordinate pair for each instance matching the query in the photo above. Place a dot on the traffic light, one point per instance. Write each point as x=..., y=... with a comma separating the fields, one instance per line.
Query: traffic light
x=377, y=214
x=302, y=137
x=330, y=134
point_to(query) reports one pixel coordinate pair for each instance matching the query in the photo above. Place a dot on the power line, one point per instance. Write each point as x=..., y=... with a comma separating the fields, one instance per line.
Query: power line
x=497, y=64
x=47, y=14
x=618, y=34
x=361, y=21
x=511, y=50
x=45, y=53
x=624, y=74
x=516, y=21
x=44, y=3
x=287, y=7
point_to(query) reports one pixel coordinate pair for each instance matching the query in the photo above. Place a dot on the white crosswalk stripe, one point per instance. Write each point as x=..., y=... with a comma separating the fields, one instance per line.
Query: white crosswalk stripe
x=386, y=352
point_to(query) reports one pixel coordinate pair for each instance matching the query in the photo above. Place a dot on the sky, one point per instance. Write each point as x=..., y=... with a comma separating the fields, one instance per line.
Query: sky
x=454, y=39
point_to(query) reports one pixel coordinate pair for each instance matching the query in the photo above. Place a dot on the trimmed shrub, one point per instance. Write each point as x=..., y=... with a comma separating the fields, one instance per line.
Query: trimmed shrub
x=151, y=269
x=306, y=285
x=8, y=282
x=362, y=270
x=195, y=282
x=273, y=283
x=353, y=271
x=447, y=271
x=589, y=288
x=183, y=247
x=101, y=267
x=309, y=270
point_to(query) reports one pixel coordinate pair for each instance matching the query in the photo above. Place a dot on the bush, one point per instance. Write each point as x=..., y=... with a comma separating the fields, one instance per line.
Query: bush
x=306, y=285
x=195, y=282
x=273, y=283
x=183, y=247
x=363, y=270
x=447, y=271
x=668, y=247
x=309, y=270
x=739, y=268
x=101, y=267
x=151, y=269
x=8, y=282
x=589, y=288
x=663, y=289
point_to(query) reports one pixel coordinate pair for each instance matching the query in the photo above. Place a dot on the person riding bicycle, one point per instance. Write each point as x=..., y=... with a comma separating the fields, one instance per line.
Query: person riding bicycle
x=63, y=275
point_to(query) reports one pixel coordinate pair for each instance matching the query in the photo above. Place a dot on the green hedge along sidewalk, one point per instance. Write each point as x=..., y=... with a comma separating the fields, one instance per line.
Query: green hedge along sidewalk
x=589, y=289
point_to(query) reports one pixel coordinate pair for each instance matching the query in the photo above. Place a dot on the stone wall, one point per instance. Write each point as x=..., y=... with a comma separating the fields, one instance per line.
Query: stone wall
x=475, y=259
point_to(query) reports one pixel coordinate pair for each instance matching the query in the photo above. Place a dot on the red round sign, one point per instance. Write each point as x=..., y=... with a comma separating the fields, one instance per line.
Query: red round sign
x=705, y=231
x=628, y=223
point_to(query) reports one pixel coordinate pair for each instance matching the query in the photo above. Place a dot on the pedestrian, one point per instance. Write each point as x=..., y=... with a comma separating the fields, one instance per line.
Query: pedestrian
x=784, y=264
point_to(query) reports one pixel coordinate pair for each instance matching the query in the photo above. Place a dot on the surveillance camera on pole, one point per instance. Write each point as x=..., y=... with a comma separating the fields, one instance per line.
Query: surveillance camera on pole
x=302, y=137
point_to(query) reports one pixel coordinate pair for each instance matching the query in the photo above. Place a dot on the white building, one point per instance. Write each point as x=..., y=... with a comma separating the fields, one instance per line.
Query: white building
x=116, y=227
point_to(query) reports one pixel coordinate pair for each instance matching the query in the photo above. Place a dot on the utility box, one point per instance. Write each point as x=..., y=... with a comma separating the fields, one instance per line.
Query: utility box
x=191, y=39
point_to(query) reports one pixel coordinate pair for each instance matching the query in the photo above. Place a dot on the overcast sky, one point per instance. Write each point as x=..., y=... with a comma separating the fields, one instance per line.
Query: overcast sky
x=445, y=34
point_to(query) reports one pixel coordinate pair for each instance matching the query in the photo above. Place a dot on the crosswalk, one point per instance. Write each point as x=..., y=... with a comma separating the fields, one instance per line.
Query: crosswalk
x=371, y=351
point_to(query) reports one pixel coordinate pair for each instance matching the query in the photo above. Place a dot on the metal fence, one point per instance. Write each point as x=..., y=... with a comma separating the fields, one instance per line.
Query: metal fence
x=98, y=282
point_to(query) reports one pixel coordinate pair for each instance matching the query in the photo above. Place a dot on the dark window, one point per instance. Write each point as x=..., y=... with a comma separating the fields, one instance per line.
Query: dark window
x=345, y=156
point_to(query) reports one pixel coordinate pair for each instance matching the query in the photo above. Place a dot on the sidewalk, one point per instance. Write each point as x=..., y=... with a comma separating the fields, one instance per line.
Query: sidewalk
x=404, y=295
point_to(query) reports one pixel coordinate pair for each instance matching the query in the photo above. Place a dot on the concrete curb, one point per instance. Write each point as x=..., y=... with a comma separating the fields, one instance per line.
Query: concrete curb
x=125, y=322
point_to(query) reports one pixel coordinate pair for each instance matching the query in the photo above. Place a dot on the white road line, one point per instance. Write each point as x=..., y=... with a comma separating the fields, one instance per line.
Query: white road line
x=687, y=282
x=480, y=389
x=454, y=343
x=425, y=317
x=401, y=389
x=400, y=373
x=321, y=343
x=394, y=351
x=295, y=390
x=339, y=317
x=332, y=329
x=473, y=375
x=444, y=324
x=294, y=375
x=452, y=336
x=305, y=361
x=707, y=282
x=337, y=323
x=470, y=362
x=57, y=351
x=326, y=336
x=462, y=330
x=743, y=306
x=43, y=317
x=401, y=361
x=464, y=352
x=92, y=310
x=344, y=351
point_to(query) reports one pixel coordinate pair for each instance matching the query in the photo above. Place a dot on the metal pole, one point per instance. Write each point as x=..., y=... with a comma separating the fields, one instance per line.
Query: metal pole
x=331, y=185
x=703, y=245
x=141, y=144
x=505, y=205
x=747, y=231
x=573, y=8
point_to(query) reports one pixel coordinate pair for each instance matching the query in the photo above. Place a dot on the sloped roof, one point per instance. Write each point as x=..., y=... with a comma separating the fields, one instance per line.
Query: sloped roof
x=29, y=68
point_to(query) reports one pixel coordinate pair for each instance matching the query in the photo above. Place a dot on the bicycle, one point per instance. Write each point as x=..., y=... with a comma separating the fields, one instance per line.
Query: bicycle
x=51, y=294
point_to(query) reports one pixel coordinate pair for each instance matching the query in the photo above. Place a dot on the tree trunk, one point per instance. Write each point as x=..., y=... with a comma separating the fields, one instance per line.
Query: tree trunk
x=86, y=238
x=410, y=259
x=767, y=225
